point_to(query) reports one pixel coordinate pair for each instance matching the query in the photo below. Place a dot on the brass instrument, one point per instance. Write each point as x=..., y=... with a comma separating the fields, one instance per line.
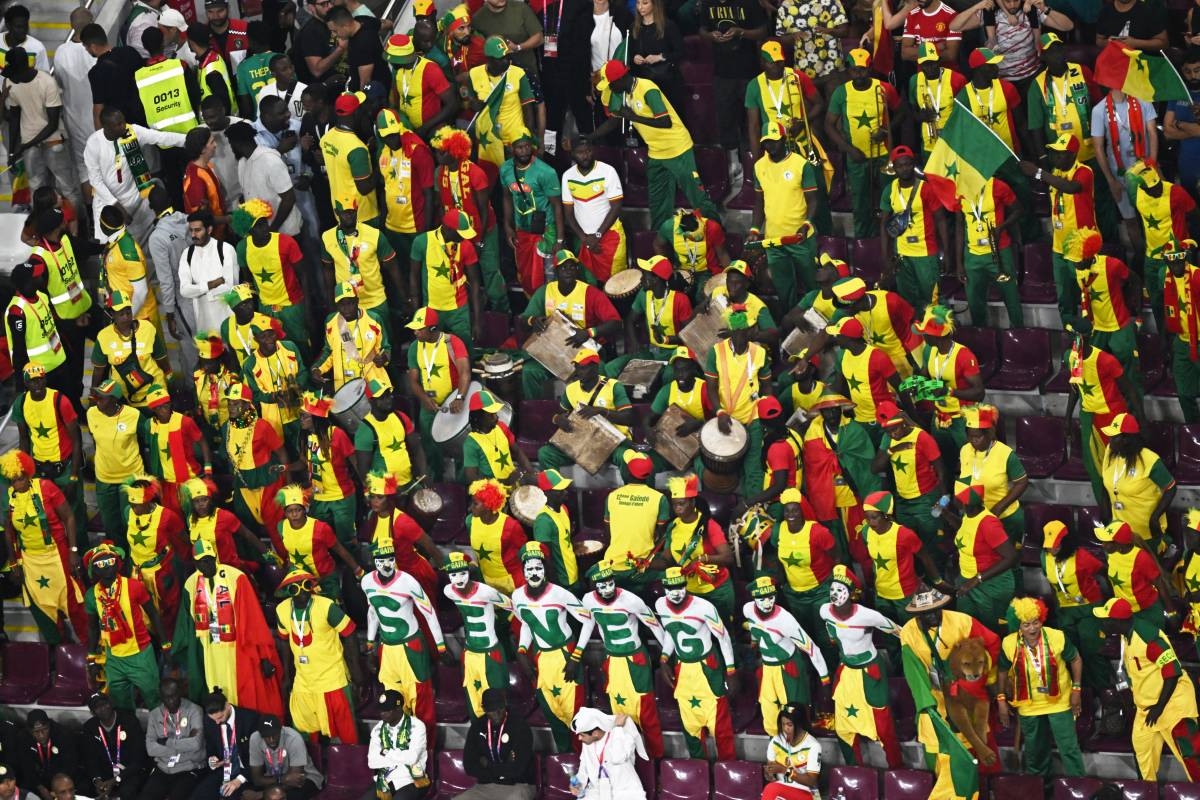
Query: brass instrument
x=932, y=130
x=1002, y=275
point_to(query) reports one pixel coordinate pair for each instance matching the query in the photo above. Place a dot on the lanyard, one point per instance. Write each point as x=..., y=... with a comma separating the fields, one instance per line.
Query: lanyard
x=113, y=760
x=494, y=749
x=431, y=361
x=976, y=94
x=600, y=761
x=276, y=761
x=301, y=626
x=1059, y=570
x=44, y=755
x=229, y=746
x=177, y=721
x=1038, y=656
x=1117, y=475
x=655, y=314
x=977, y=463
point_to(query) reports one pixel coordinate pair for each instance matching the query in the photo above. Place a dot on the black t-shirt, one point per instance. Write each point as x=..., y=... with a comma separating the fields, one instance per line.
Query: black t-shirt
x=1146, y=19
x=364, y=48
x=314, y=39
x=737, y=58
x=113, y=83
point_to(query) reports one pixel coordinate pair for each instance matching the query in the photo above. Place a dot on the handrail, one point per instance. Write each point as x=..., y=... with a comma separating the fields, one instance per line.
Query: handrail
x=386, y=30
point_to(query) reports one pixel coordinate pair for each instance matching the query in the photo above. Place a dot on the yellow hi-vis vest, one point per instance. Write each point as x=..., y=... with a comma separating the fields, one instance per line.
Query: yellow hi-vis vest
x=164, y=95
x=65, y=286
x=42, y=342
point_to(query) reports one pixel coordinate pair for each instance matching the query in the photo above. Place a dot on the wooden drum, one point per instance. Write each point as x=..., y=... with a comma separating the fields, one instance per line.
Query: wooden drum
x=722, y=455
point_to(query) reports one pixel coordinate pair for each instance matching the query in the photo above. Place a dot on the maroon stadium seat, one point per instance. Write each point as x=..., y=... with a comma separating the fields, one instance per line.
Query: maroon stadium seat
x=1084, y=788
x=683, y=779
x=981, y=342
x=1041, y=444
x=26, y=672
x=1084, y=54
x=699, y=114
x=522, y=698
x=494, y=330
x=854, y=783
x=1038, y=285
x=347, y=776
x=744, y=199
x=867, y=259
x=696, y=72
x=712, y=164
x=592, y=504
x=1086, y=520
x=450, y=699
x=640, y=245
x=1073, y=469
x=71, y=686
x=737, y=780
x=720, y=506
x=907, y=784
x=1180, y=791
x=836, y=246
x=636, y=193
x=537, y=425
x=668, y=709
x=1150, y=360
x=904, y=709
x=1024, y=360
x=648, y=772
x=449, y=525
x=743, y=707
x=1187, y=470
x=1160, y=437
x=1017, y=787
x=556, y=775
x=452, y=778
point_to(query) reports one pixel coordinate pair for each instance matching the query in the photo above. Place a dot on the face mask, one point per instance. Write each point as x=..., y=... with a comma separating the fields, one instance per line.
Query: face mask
x=460, y=579
x=385, y=566
x=606, y=589
x=765, y=605
x=535, y=572
x=838, y=594
x=676, y=596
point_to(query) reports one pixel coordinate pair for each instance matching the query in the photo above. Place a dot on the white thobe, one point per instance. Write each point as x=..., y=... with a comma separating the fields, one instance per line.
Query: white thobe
x=109, y=186
x=71, y=65
x=617, y=776
x=225, y=164
x=214, y=260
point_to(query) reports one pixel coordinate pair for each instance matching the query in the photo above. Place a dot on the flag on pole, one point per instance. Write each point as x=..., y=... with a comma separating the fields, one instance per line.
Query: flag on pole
x=1146, y=76
x=966, y=155
x=957, y=771
x=881, y=42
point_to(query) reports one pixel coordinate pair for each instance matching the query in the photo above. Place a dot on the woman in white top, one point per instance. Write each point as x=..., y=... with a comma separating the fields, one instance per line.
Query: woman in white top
x=793, y=759
x=607, y=760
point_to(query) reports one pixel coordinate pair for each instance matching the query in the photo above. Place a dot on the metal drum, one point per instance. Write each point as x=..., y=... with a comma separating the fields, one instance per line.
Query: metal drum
x=350, y=404
x=526, y=503
x=425, y=507
x=450, y=430
x=722, y=455
x=501, y=374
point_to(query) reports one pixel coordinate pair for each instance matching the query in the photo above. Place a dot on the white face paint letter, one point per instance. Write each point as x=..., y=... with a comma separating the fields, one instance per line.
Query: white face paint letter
x=535, y=572
x=676, y=596
x=839, y=595
x=460, y=579
x=606, y=589
x=765, y=605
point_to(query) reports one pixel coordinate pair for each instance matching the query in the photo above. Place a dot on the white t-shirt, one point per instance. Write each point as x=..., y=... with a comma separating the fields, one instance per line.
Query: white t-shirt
x=34, y=98
x=292, y=98
x=606, y=37
x=591, y=194
x=806, y=755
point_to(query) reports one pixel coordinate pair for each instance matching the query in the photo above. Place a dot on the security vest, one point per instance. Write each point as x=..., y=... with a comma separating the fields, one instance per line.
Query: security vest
x=64, y=283
x=164, y=95
x=213, y=63
x=42, y=343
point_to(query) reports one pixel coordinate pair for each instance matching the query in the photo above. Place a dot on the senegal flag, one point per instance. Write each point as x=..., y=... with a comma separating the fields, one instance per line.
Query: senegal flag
x=1145, y=76
x=881, y=41
x=956, y=770
x=966, y=155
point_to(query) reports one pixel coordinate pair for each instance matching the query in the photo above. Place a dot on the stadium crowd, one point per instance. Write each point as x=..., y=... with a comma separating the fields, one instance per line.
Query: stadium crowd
x=515, y=360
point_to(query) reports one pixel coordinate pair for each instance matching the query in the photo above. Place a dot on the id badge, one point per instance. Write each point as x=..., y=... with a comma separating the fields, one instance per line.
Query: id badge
x=215, y=636
x=984, y=242
x=303, y=659
x=550, y=45
x=1119, y=506
x=1043, y=690
x=1058, y=225
x=1066, y=126
x=401, y=200
x=935, y=679
x=912, y=239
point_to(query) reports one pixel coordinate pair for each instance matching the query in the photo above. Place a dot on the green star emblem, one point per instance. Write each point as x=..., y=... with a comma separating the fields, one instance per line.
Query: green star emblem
x=1086, y=388
x=297, y=556
x=556, y=691
x=503, y=459
x=139, y=539
x=1116, y=580
x=1193, y=584
x=478, y=684
x=1098, y=295
x=484, y=138
x=435, y=371
x=396, y=446
x=1139, y=63
x=43, y=582
x=851, y=711
x=29, y=520
x=877, y=339
x=619, y=700
x=483, y=553
x=443, y=271
x=863, y=120
x=854, y=383
x=694, y=701
x=881, y=563
x=899, y=466
x=960, y=544
x=1153, y=222
x=793, y=560
x=952, y=169
x=264, y=276
x=658, y=332
x=42, y=430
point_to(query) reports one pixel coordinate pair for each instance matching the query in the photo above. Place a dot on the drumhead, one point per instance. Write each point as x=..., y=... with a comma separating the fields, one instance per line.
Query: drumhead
x=349, y=395
x=715, y=282
x=624, y=283
x=587, y=547
x=718, y=444
x=427, y=502
x=526, y=503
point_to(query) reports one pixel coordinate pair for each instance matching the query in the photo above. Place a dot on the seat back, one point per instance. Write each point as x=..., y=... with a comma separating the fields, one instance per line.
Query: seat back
x=867, y=259
x=907, y=784
x=683, y=779
x=737, y=780
x=26, y=671
x=450, y=699
x=1041, y=444
x=981, y=342
x=1017, y=787
x=1084, y=788
x=1180, y=791
x=346, y=768
x=853, y=783
x=1188, y=456
x=835, y=246
x=452, y=777
x=556, y=776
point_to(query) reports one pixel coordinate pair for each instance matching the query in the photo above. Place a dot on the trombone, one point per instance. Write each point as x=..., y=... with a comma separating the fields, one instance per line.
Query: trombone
x=1002, y=274
x=932, y=129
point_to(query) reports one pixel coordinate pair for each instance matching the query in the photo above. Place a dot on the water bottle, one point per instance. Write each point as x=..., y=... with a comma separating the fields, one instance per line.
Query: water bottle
x=940, y=506
x=576, y=784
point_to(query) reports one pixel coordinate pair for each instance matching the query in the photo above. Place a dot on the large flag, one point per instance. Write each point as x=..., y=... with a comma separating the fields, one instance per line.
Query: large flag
x=957, y=770
x=882, y=46
x=1146, y=76
x=966, y=155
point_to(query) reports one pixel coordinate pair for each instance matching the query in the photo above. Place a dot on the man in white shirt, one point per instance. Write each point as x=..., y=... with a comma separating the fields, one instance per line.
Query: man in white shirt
x=168, y=240
x=35, y=111
x=72, y=62
x=173, y=26
x=143, y=14
x=397, y=750
x=262, y=174
x=16, y=34
x=208, y=270
x=591, y=198
x=284, y=84
x=212, y=113
x=279, y=129
x=116, y=168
